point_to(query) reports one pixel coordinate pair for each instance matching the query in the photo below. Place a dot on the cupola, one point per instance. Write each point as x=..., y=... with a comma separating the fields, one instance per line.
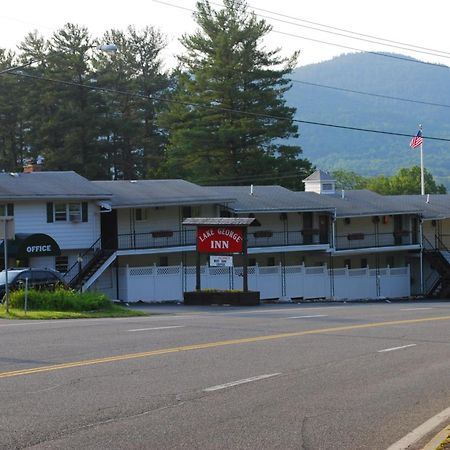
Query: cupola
x=320, y=182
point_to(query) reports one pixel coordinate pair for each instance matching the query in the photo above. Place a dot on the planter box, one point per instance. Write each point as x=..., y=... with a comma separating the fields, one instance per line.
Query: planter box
x=355, y=237
x=162, y=234
x=239, y=298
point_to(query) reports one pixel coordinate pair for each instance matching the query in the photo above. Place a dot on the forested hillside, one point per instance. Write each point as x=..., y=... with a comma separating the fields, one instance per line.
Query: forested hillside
x=369, y=153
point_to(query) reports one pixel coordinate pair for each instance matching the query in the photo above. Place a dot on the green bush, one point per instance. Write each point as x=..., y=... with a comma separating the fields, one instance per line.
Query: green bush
x=60, y=300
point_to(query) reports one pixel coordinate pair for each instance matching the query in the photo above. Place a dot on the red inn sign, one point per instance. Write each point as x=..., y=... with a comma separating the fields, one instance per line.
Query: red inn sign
x=221, y=235
x=220, y=239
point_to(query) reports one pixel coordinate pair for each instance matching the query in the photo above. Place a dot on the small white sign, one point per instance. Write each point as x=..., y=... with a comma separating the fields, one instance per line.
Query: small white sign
x=221, y=261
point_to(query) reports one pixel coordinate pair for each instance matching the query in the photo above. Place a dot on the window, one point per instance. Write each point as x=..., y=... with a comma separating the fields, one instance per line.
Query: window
x=64, y=212
x=163, y=261
x=60, y=212
x=270, y=261
x=75, y=212
x=363, y=263
x=7, y=209
x=67, y=210
x=62, y=263
x=348, y=263
x=327, y=187
x=140, y=214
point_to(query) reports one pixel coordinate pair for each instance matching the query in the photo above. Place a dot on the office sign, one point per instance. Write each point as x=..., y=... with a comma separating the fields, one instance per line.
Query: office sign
x=220, y=239
x=38, y=244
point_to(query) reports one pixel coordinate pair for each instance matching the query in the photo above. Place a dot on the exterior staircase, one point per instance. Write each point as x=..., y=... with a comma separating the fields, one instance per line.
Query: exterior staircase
x=438, y=257
x=99, y=258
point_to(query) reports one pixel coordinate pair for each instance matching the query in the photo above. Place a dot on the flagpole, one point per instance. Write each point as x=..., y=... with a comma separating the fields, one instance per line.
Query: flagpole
x=422, y=174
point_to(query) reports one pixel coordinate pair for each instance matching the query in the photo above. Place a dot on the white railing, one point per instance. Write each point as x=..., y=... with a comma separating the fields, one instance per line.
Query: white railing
x=153, y=283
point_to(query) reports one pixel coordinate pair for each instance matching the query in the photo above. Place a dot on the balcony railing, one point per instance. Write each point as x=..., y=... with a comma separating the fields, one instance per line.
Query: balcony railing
x=366, y=240
x=259, y=238
x=267, y=238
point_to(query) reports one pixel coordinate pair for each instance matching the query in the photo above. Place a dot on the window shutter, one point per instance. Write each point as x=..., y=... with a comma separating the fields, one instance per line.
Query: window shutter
x=10, y=209
x=49, y=212
x=84, y=212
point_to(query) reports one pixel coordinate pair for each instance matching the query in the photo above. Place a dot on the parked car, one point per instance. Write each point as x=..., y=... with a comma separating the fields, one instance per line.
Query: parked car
x=37, y=279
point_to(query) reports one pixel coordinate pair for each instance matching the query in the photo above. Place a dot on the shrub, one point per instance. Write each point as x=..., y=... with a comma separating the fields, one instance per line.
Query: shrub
x=60, y=300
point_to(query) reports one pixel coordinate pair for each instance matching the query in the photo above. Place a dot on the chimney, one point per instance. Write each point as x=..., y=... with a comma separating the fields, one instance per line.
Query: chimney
x=29, y=168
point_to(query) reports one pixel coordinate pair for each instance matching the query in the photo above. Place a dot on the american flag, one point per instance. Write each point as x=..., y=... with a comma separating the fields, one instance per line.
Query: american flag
x=417, y=140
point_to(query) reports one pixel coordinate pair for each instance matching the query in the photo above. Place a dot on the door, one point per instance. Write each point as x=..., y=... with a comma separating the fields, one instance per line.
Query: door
x=398, y=228
x=108, y=229
x=308, y=228
x=324, y=229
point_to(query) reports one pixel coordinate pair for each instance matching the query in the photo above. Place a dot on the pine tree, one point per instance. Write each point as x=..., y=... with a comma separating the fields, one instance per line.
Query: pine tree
x=133, y=141
x=228, y=113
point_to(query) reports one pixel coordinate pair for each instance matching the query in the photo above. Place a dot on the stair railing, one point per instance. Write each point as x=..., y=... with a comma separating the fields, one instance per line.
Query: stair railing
x=433, y=281
x=73, y=271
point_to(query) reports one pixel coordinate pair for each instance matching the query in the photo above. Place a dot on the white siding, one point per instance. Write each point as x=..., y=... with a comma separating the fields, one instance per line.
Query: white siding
x=31, y=217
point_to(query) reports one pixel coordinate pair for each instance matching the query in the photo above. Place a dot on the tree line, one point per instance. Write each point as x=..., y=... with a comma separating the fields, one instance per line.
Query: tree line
x=219, y=117
x=407, y=181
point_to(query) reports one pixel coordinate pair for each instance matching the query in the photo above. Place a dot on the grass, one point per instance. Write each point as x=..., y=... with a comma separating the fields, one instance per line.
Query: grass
x=113, y=311
x=63, y=304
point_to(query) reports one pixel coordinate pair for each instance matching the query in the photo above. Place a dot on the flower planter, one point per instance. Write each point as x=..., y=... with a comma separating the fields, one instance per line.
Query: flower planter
x=234, y=298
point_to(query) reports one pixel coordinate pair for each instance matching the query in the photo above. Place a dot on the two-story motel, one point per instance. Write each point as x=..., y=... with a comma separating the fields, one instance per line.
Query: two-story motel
x=126, y=238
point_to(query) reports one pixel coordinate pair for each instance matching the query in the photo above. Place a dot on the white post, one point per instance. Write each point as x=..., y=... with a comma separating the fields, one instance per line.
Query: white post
x=422, y=170
x=422, y=175
x=5, y=257
x=421, y=258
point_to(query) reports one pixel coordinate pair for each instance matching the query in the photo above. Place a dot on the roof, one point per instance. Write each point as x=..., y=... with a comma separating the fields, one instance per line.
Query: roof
x=319, y=175
x=49, y=186
x=367, y=203
x=147, y=193
x=219, y=221
x=433, y=206
x=273, y=199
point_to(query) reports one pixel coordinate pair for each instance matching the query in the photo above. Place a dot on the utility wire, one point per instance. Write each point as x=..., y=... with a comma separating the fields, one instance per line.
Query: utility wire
x=334, y=87
x=397, y=43
x=372, y=94
x=385, y=55
x=221, y=108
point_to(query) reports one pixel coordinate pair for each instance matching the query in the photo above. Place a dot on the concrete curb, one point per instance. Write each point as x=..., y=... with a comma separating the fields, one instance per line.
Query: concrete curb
x=438, y=439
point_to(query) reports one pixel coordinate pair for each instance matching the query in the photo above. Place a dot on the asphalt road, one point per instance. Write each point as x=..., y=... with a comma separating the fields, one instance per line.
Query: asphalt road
x=322, y=376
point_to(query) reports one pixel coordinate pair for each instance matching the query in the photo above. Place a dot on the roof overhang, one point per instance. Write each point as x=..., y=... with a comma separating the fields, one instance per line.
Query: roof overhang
x=378, y=213
x=177, y=202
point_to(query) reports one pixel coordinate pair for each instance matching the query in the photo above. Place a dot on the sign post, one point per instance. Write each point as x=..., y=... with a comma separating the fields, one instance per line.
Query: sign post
x=8, y=233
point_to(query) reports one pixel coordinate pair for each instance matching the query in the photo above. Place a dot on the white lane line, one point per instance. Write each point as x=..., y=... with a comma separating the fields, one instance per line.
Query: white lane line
x=307, y=317
x=238, y=382
x=415, y=309
x=157, y=328
x=396, y=348
x=417, y=434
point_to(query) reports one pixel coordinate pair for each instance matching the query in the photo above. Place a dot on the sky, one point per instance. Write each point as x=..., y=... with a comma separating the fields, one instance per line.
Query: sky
x=410, y=22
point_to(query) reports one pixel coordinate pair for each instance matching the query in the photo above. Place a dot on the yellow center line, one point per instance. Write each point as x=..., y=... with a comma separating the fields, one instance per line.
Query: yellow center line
x=185, y=348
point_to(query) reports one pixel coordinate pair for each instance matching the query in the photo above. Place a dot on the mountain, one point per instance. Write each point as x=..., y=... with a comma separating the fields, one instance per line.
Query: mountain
x=369, y=153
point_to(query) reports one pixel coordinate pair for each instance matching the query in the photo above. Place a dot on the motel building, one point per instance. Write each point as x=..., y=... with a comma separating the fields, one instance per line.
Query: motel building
x=127, y=239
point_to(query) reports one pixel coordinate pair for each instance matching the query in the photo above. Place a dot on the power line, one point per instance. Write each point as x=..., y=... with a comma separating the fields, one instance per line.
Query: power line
x=319, y=41
x=427, y=49
x=372, y=94
x=224, y=109
x=334, y=87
